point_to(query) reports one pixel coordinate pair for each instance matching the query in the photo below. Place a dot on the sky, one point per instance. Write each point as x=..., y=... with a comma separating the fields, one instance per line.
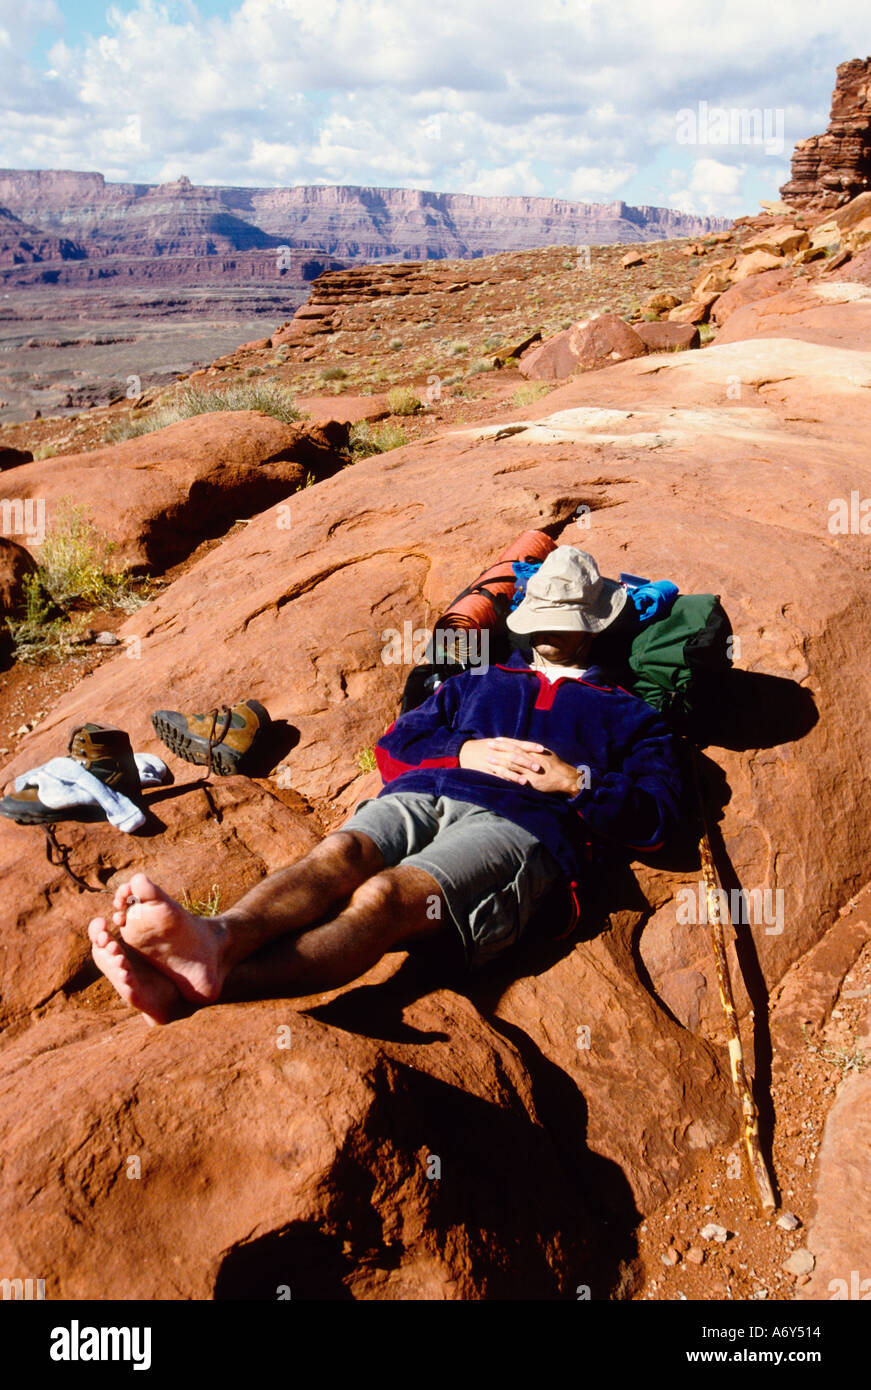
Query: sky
x=673, y=103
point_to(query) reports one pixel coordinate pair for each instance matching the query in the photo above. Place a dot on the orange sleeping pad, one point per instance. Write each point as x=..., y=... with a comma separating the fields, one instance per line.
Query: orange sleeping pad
x=488, y=599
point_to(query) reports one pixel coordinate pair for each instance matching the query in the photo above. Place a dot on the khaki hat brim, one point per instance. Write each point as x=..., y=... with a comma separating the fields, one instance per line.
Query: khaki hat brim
x=534, y=615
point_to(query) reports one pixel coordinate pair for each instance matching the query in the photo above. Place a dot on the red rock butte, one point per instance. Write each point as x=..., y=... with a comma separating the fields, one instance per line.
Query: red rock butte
x=830, y=169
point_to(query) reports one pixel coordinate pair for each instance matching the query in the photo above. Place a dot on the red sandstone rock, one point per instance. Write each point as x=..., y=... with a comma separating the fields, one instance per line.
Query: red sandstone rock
x=311, y=311
x=15, y=563
x=858, y=269
x=603, y=340
x=253, y=1157
x=258, y=1151
x=179, y=233
x=806, y=995
x=830, y=169
x=717, y=278
x=778, y=241
x=754, y=264
x=839, y=1237
x=748, y=291
x=23, y=245
x=848, y=216
x=694, y=311
x=660, y=302
x=665, y=337
x=803, y=313
x=550, y=360
x=346, y=409
x=157, y=496
x=516, y=350
x=587, y=346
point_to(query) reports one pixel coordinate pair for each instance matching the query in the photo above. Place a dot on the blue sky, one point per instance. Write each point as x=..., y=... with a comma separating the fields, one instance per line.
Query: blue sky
x=579, y=99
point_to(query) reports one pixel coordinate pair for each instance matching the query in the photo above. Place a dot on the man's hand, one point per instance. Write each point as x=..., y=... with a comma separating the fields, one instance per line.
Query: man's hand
x=530, y=764
x=511, y=758
x=555, y=776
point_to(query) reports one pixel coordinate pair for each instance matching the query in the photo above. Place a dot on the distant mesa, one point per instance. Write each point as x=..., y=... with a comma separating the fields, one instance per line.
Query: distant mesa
x=180, y=232
x=21, y=244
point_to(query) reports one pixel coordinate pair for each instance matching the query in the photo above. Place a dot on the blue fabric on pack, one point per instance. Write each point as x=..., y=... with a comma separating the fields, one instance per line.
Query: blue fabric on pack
x=523, y=572
x=653, y=600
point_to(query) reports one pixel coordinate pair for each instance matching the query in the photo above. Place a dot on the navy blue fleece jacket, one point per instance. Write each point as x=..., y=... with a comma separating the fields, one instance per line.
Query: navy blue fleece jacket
x=634, y=791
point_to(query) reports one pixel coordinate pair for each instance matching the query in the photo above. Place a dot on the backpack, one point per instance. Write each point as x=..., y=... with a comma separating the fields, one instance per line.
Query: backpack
x=483, y=606
x=678, y=663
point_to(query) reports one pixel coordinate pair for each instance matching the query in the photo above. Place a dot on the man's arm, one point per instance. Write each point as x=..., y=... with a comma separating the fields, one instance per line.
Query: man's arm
x=424, y=737
x=432, y=736
x=639, y=805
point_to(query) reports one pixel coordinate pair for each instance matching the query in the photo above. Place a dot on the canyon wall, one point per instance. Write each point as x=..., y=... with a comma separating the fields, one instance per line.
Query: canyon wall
x=174, y=230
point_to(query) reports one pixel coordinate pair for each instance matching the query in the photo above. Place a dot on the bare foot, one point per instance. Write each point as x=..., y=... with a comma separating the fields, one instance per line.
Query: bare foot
x=137, y=982
x=186, y=949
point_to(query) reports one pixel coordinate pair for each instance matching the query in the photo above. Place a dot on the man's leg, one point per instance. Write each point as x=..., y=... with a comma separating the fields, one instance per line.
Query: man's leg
x=388, y=911
x=196, y=954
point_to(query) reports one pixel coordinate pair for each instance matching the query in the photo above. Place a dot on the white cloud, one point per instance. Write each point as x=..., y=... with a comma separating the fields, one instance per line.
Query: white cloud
x=576, y=100
x=590, y=185
x=712, y=187
x=509, y=180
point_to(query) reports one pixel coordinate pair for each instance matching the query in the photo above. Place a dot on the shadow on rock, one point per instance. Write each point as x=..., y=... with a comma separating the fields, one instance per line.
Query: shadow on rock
x=272, y=746
x=760, y=711
x=601, y=1198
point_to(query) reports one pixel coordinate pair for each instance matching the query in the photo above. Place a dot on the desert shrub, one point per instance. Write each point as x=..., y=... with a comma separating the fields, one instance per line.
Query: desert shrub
x=401, y=400
x=529, y=392
x=41, y=630
x=268, y=397
x=366, y=760
x=72, y=573
x=388, y=436
x=333, y=374
x=132, y=426
x=74, y=564
x=369, y=439
x=481, y=364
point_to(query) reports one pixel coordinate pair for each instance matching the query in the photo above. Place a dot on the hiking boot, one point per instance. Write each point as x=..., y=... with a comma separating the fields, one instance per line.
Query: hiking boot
x=107, y=755
x=222, y=740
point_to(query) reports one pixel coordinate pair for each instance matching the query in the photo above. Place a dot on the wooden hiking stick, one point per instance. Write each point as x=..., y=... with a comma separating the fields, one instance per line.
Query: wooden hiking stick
x=717, y=920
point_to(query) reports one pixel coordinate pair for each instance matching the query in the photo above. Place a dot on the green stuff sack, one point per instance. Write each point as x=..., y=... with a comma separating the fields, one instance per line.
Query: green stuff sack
x=679, y=662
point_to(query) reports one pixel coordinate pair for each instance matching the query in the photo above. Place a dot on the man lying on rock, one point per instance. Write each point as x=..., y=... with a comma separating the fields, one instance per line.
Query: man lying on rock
x=496, y=787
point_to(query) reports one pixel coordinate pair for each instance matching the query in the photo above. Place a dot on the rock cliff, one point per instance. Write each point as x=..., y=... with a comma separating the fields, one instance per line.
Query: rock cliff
x=164, y=232
x=23, y=245
x=832, y=168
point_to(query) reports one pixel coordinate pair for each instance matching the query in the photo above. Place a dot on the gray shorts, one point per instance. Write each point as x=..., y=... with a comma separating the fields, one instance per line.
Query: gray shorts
x=491, y=872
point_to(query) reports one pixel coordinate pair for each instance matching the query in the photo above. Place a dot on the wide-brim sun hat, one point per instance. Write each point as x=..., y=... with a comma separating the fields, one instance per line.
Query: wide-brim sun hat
x=567, y=594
